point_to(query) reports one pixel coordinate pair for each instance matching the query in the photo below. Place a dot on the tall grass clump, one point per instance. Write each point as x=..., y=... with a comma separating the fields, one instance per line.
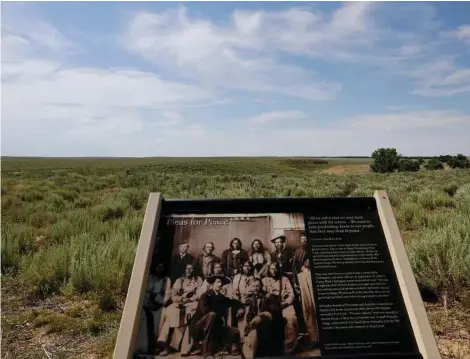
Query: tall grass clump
x=451, y=188
x=432, y=199
x=101, y=266
x=111, y=210
x=46, y=270
x=134, y=197
x=409, y=215
x=83, y=264
x=441, y=258
x=17, y=240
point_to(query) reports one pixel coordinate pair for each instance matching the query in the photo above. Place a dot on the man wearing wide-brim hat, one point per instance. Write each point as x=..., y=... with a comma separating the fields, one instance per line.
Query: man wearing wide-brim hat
x=209, y=324
x=282, y=254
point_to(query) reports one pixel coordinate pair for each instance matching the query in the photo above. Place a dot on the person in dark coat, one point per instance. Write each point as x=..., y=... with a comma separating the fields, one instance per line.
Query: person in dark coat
x=234, y=257
x=283, y=255
x=264, y=333
x=208, y=326
x=180, y=260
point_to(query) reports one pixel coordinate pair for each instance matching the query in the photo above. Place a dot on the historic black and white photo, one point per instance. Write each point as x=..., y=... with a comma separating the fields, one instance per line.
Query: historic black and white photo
x=234, y=285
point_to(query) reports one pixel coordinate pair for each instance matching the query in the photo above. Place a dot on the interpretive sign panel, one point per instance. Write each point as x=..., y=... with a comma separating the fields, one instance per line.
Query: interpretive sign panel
x=253, y=278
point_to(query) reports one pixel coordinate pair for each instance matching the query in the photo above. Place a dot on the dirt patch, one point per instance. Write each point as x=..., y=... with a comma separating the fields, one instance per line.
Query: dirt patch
x=451, y=331
x=342, y=169
x=56, y=326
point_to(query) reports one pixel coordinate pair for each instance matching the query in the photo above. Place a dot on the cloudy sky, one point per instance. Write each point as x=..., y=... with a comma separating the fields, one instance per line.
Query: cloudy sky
x=223, y=79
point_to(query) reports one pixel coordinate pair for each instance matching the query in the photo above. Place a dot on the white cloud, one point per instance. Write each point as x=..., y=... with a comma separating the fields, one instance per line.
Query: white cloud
x=49, y=107
x=463, y=33
x=23, y=33
x=275, y=116
x=440, y=78
x=233, y=57
x=410, y=121
x=243, y=54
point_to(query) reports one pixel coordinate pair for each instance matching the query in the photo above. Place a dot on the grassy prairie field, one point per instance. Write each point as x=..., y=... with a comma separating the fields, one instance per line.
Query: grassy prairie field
x=70, y=229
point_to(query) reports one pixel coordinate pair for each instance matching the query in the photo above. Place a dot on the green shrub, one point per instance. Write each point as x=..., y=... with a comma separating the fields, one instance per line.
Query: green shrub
x=409, y=216
x=68, y=194
x=82, y=202
x=32, y=195
x=385, y=160
x=134, y=197
x=408, y=165
x=82, y=264
x=46, y=270
x=111, y=210
x=55, y=202
x=63, y=230
x=459, y=161
x=432, y=199
x=17, y=240
x=130, y=226
x=434, y=164
x=441, y=258
x=451, y=188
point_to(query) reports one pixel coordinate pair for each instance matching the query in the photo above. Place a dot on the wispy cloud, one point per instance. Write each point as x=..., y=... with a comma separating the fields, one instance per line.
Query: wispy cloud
x=243, y=54
x=463, y=33
x=108, y=108
x=410, y=120
x=275, y=116
x=235, y=57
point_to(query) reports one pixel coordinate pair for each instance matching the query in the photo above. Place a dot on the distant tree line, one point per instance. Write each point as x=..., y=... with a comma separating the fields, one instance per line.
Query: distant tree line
x=386, y=160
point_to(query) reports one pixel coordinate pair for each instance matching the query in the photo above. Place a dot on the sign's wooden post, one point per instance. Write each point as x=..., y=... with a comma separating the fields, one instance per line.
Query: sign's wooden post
x=409, y=288
x=131, y=314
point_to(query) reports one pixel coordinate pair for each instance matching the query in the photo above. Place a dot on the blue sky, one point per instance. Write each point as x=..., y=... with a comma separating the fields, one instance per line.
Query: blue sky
x=235, y=78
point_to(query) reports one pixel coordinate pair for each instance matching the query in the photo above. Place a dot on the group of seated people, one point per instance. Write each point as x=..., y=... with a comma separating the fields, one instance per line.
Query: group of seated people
x=254, y=311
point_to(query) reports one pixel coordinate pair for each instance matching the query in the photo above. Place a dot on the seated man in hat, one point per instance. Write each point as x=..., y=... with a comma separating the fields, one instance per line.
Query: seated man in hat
x=277, y=284
x=184, y=303
x=226, y=289
x=208, y=327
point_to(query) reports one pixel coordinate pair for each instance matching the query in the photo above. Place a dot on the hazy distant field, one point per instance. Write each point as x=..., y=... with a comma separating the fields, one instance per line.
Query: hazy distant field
x=70, y=228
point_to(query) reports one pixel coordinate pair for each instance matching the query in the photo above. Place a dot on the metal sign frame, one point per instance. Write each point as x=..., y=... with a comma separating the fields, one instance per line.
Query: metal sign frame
x=157, y=206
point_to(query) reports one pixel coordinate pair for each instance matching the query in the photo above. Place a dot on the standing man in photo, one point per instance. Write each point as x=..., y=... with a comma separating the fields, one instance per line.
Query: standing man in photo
x=180, y=260
x=308, y=306
x=206, y=260
x=282, y=255
x=234, y=257
x=301, y=253
x=260, y=258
